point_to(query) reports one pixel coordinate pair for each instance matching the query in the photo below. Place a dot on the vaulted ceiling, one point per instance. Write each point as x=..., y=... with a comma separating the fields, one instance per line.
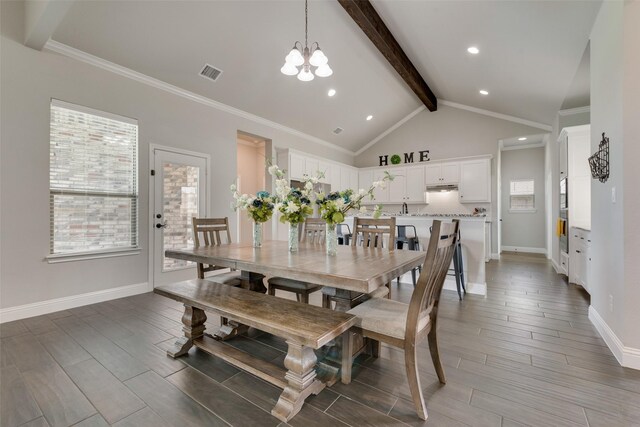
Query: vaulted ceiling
x=529, y=54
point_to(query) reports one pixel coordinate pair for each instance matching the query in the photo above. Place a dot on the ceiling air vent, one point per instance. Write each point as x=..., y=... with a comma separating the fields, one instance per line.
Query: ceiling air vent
x=210, y=72
x=337, y=130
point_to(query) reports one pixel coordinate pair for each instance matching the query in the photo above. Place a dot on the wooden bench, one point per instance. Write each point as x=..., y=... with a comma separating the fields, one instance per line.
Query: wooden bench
x=304, y=327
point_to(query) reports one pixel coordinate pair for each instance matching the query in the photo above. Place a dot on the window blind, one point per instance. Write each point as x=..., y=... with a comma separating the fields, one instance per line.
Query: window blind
x=522, y=195
x=93, y=188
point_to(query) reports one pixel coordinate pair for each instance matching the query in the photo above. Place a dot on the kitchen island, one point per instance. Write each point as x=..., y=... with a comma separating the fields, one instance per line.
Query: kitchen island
x=472, y=239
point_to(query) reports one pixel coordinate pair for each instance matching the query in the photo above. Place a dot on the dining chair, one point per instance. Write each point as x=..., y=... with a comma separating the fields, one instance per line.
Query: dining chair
x=213, y=232
x=413, y=244
x=313, y=231
x=375, y=233
x=403, y=325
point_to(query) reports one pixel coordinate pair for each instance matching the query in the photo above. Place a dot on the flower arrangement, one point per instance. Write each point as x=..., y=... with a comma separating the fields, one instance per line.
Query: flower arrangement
x=293, y=204
x=259, y=207
x=335, y=205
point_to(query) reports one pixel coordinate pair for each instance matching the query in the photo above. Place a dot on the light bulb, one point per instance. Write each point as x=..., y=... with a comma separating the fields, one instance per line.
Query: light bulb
x=295, y=57
x=324, y=71
x=318, y=58
x=305, y=75
x=289, y=69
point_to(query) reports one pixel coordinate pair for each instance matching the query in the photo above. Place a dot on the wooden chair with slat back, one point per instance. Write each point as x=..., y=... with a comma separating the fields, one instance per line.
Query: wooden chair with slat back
x=313, y=231
x=213, y=232
x=375, y=233
x=403, y=325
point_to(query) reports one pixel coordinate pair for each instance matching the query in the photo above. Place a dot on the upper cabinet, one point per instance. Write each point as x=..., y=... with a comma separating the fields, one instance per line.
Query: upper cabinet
x=475, y=181
x=408, y=185
x=296, y=166
x=442, y=173
x=577, y=140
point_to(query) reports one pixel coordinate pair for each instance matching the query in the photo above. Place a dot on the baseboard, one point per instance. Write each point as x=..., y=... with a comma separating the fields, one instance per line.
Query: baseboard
x=524, y=249
x=472, y=288
x=627, y=356
x=44, y=307
x=556, y=267
x=495, y=256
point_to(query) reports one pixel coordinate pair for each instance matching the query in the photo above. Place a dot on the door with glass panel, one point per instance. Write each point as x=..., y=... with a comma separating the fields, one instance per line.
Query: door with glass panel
x=179, y=182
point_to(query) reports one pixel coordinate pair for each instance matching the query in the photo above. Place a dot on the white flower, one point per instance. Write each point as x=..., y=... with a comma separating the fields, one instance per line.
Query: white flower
x=362, y=192
x=363, y=210
x=273, y=170
x=233, y=187
x=339, y=203
x=308, y=186
x=292, y=208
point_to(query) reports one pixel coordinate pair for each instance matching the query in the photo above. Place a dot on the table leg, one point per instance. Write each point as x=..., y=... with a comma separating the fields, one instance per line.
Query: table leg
x=301, y=379
x=193, y=320
x=252, y=282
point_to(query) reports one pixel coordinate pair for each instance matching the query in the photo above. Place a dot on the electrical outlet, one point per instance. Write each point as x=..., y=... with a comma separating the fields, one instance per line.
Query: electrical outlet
x=611, y=303
x=613, y=194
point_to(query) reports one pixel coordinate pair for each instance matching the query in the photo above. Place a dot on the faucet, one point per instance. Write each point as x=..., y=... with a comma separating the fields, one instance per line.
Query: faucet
x=405, y=208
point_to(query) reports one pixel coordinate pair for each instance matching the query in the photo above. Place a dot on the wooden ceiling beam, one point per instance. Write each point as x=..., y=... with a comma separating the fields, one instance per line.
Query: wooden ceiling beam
x=364, y=14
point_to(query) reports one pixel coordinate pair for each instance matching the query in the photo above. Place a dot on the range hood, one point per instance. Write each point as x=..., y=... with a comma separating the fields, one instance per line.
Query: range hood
x=441, y=188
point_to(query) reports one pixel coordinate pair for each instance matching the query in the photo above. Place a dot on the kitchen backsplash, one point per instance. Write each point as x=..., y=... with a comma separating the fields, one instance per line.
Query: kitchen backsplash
x=440, y=203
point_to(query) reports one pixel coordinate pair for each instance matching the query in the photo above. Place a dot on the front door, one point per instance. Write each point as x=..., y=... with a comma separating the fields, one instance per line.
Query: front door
x=179, y=193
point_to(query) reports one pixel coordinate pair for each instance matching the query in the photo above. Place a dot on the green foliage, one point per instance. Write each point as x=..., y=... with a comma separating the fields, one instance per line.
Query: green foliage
x=395, y=159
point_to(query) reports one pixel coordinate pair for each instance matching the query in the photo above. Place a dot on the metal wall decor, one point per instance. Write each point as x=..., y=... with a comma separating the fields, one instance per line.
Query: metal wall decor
x=599, y=161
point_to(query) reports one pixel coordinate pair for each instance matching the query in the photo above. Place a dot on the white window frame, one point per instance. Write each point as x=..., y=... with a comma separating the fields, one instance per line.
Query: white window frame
x=107, y=252
x=532, y=194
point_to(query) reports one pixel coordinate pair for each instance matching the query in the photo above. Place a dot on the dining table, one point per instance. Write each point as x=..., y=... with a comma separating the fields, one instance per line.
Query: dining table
x=349, y=276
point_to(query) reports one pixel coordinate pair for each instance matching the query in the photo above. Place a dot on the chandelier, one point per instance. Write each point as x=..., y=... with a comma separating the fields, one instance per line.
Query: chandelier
x=306, y=57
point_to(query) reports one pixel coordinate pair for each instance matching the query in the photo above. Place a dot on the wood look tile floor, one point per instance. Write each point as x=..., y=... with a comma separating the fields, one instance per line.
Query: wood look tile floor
x=525, y=355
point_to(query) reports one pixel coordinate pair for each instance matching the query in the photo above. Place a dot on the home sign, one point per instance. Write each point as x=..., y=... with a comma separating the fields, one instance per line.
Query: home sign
x=395, y=159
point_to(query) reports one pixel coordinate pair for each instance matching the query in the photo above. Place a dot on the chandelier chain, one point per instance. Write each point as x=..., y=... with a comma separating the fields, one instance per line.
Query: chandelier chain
x=306, y=22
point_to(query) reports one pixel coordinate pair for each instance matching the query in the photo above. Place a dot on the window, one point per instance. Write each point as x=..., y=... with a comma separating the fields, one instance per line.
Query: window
x=522, y=197
x=93, y=188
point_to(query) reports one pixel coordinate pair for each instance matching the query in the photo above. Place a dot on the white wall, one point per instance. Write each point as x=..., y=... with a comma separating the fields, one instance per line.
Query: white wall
x=448, y=133
x=615, y=108
x=524, y=229
x=28, y=81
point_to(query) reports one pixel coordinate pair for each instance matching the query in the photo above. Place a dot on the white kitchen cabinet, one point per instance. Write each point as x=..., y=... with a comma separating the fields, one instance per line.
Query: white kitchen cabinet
x=475, y=181
x=580, y=257
x=442, y=173
x=381, y=194
x=397, y=187
x=325, y=168
x=345, y=175
x=296, y=166
x=415, y=185
x=578, y=142
x=311, y=166
x=365, y=178
x=336, y=176
x=353, y=180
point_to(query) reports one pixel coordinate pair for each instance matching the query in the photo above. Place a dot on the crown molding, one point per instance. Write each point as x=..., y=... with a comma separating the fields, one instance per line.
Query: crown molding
x=571, y=111
x=391, y=129
x=522, y=147
x=87, y=58
x=501, y=116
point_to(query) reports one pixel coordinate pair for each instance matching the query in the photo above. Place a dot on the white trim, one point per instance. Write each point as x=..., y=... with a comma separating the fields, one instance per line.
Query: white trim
x=80, y=256
x=523, y=146
x=506, y=117
x=556, y=267
x=391, y=129
x=250, y=144
x=524, y=249
x=495, y=256
x=519, y=211
x=627, y=356
x=578, y=110
x=44, y=307
x=79, y=55
x=472, y=288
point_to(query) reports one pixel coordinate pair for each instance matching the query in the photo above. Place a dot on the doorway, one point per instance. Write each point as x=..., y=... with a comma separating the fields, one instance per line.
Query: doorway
x=251, y=167
x=177, y=193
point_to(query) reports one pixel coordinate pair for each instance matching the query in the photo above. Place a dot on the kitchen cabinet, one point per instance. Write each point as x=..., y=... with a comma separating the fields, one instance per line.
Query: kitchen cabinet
x=353, y=180
x=442, y=173
x=408, y=185
x=578, y=148
x=475, y=181
x=580, y=258
x=335, y=178
x=325, y=168
x=365, y=180
x=296, y=166
x=311, y=166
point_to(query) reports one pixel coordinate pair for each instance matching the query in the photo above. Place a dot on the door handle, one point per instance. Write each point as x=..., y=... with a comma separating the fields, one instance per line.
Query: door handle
x=163, y=225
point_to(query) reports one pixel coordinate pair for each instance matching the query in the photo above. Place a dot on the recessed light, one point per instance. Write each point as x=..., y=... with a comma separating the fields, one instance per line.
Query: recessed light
x=331, y=92
x=522, y=139
x=369, y=117
x=473, y=50
x=484, y=92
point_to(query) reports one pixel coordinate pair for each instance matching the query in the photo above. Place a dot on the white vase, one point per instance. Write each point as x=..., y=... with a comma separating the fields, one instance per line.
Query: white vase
x=331, y=240
x=293, y=237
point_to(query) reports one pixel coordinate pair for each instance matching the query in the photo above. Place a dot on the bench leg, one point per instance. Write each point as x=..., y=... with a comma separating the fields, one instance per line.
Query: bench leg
x=301, y=379
x=193, y=320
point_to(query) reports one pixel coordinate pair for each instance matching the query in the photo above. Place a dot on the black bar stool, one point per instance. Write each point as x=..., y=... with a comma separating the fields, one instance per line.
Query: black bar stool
x=458, y=267
x=412, y=242
x=343, y=238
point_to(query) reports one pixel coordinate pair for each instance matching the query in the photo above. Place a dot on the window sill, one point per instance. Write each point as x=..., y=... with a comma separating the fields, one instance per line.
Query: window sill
x=81, y=256
x=523, y=210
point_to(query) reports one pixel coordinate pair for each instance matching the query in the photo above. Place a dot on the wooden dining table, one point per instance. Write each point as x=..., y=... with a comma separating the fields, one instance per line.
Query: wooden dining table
x=348, y=276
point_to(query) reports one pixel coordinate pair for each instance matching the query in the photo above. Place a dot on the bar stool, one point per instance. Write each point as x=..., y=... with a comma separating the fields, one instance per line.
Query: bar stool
x=343, y=238
x=412, y=242
x=458, y=267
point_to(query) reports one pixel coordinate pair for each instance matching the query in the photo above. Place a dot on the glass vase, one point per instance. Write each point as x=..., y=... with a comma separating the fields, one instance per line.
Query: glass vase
x=331, y=242
x=257, y=234
x=293, y=237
